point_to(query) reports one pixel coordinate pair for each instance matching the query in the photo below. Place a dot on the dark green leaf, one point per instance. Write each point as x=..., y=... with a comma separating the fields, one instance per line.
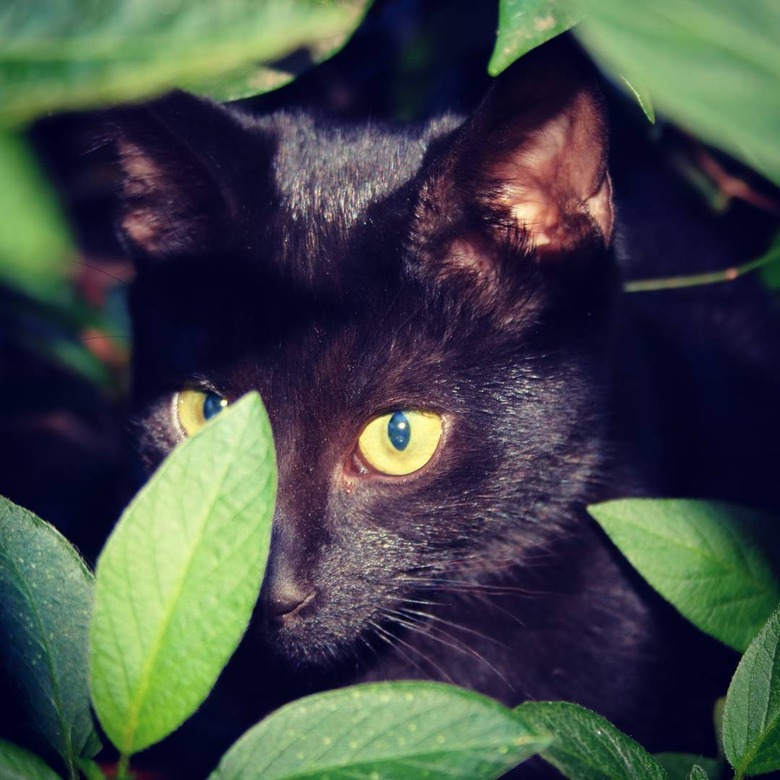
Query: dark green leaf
x=711, y=65
x=19, y=764
x=680, y=765
x=586, y=746
x=525, y=24
x=64, y=54
x=34, y=243
x=770, y=265
x=394, y=731
x=45, y=604
x=710, y=559
x=751, y=718
x=179, y=576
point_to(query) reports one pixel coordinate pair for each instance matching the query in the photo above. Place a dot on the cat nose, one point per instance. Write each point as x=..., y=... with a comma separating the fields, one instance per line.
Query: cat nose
x=286, y=600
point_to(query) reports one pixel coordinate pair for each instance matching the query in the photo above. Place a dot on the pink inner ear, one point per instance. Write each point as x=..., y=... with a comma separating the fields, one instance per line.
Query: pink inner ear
x=140, y=222
x=554, y=182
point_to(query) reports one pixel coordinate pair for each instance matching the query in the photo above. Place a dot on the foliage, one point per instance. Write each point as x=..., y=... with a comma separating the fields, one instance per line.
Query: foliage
x=715, y=562
x=179, y=577
x=173, y=592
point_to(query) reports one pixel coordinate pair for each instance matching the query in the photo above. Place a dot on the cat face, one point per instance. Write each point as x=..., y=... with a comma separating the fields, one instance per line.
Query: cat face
x=426, y=313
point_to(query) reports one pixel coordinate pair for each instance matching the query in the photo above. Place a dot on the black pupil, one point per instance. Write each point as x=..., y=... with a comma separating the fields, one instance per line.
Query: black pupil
x=213, y=404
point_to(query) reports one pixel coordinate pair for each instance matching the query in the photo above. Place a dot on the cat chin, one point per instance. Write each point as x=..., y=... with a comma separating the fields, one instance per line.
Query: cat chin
x=310, y=649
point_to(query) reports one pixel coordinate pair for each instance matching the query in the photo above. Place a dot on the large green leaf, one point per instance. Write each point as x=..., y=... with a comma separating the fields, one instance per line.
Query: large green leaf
x=64, y=54
x=179, y=576
x=45, y=604
x=19, y=764
x=710, y=65
x=751, y=719
x=711, y=560
x=525, y=24
x=34, y=243
x=585, y=746
x=394, y=731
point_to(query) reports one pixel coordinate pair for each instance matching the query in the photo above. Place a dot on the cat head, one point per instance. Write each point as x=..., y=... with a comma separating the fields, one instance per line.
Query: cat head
x=424, y=310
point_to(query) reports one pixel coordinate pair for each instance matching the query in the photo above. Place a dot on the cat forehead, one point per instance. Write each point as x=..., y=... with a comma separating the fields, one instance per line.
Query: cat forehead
x=333, y=171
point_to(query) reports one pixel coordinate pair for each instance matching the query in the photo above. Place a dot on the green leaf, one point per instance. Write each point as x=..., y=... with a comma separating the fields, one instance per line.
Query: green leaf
x=642, y=97
x=91, y=770
x=709, y=559
x=19, y=764
x=711, y=65
x=751, y=719
x=586, y=746
x=65, y=54
x=390, y=730
x=698, y=773
x=525, y=24
x=45, y=605
x=679, y=766
x=34, y=243
x=179, y=576
x=770, y=265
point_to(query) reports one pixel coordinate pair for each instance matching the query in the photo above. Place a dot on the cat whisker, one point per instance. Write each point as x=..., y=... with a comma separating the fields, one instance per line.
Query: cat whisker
x=394, y=641
x=413, y=622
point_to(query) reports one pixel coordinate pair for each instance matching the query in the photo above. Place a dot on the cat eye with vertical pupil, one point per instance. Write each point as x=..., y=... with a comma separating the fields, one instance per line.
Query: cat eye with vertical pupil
x=194, y=408
x=401, y=442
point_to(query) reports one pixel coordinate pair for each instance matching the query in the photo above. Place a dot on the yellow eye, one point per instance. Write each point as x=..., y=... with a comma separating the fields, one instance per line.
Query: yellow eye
x=400, y=443
x=194, y=408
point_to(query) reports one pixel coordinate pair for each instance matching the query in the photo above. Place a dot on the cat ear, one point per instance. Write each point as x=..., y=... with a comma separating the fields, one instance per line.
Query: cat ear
x=529, y=166
x=182, y=161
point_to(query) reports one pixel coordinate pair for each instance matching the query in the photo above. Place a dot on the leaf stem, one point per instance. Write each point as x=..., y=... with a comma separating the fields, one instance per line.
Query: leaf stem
x=123, y=767
x=697, y=280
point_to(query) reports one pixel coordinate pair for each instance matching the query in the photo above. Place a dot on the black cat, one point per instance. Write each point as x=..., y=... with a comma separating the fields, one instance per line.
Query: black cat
x=433, y=317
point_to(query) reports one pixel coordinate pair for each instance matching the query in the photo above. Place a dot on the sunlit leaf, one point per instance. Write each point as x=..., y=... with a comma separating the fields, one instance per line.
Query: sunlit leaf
x=710, y=559
x=179, y=576
x=394, y=731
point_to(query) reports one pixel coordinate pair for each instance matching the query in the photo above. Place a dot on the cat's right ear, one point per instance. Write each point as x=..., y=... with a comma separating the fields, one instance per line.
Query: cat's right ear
x=523, y=184
x=183, y=160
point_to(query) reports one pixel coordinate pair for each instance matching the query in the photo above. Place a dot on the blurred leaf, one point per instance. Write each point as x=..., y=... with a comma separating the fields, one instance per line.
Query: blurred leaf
x=525, y=24
x=586, y=746
x=19, y=764
x=698, y=773
x=709, y=559
x=711, y=65
x=680, y=765
x=45, y=605
x=751, y=719
x=390, y=730
x=179, y=577
x=770, y=265
x=642, y=97
x=34, y=244
x=91, y=770
x=67, y=54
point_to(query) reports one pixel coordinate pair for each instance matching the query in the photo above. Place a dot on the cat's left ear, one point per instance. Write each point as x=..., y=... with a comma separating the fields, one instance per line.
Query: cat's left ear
x=190, y=169
x=529, y=167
